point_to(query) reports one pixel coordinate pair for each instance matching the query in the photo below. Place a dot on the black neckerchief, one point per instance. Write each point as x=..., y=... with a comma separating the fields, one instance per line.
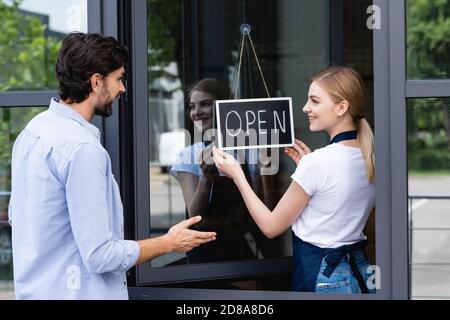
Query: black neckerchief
x=347, y=135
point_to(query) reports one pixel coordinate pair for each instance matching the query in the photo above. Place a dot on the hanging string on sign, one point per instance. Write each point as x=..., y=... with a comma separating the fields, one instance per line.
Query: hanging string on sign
x=245, y=31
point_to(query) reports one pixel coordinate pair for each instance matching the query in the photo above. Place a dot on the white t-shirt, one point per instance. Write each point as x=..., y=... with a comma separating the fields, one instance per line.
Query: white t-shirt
x=341, y=197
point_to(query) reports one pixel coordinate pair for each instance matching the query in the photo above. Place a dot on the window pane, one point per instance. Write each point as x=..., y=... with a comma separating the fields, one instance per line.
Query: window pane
x=428, y=40
x=429, y=140
x=194, y=40
x=31, y=35
x=430, y=240
x=12, y=121
x=428, y=177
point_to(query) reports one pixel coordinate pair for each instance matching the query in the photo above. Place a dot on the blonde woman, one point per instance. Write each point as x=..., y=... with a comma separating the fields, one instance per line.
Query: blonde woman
x=332, y=191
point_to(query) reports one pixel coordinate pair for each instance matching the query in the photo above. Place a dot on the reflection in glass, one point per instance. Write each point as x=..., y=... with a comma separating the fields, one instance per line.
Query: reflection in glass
x=212, y=195
x=429, y=176
x=190, y=41
x=12, y=121
x=31, y=35
x=428, y=41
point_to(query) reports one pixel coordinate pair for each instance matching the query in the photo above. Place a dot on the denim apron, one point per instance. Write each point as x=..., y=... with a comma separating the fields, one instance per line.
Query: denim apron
x=308, y=258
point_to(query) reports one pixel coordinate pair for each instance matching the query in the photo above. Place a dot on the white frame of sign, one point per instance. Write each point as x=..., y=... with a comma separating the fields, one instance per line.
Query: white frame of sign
x=219, y=129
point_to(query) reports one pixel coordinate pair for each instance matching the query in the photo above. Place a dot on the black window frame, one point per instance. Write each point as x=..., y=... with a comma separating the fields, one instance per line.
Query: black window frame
x=391, y=185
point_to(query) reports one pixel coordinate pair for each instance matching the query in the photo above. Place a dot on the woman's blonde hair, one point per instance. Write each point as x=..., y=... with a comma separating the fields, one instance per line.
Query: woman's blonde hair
x=343, y=83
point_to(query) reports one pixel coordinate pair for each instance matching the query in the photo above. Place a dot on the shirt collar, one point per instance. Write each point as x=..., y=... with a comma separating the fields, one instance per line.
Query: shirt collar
x=68, y=112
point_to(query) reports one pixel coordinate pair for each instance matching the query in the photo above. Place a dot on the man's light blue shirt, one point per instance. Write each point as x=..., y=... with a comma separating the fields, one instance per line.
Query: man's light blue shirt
x=66, y=213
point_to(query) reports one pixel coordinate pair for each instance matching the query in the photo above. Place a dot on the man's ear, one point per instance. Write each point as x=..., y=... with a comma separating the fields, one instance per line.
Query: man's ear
x=342, y=107
x=96, y=82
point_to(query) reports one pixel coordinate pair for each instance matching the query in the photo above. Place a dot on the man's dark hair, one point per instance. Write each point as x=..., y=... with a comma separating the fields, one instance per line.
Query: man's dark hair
x=83, y=55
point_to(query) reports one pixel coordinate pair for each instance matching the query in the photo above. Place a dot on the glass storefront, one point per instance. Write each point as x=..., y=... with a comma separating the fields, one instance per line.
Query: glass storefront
x=195, y=58
x=429, y=195
x=196, y=44
x=428, y=142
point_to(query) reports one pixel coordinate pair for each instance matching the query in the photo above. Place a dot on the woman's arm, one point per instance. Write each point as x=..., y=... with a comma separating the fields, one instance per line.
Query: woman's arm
x=285, y=213
x=283, y=216
x=196, y=191
x=268, y=190
x=265, y=159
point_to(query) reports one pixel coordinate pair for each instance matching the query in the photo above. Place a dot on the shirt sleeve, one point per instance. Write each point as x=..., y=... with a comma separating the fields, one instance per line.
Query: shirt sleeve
x=186, y=162
x=86, y=181
x=308, y=174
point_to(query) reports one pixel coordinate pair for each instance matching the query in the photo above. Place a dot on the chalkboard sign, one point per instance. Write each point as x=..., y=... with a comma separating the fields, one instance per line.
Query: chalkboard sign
x=254, y=123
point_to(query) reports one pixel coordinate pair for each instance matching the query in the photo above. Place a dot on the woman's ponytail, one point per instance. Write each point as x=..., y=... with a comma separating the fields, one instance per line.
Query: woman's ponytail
x=367, y=145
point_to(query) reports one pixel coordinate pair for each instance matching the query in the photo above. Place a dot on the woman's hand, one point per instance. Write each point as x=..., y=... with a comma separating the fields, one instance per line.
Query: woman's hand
x=207, y=165
x=227, y=164
x=265, y=157
x=297, y=152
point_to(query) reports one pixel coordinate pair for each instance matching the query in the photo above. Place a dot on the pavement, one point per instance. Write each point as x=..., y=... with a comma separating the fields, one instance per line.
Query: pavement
x=430, y=272
x=6, y=291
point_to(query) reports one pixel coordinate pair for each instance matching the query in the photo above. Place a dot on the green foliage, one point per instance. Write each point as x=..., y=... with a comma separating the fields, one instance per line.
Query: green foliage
x=164, y=18
x=429, y=160
x=428, y=39
x=27, y=61
x=428, y=134
x=428, y=47
x=27, y=54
